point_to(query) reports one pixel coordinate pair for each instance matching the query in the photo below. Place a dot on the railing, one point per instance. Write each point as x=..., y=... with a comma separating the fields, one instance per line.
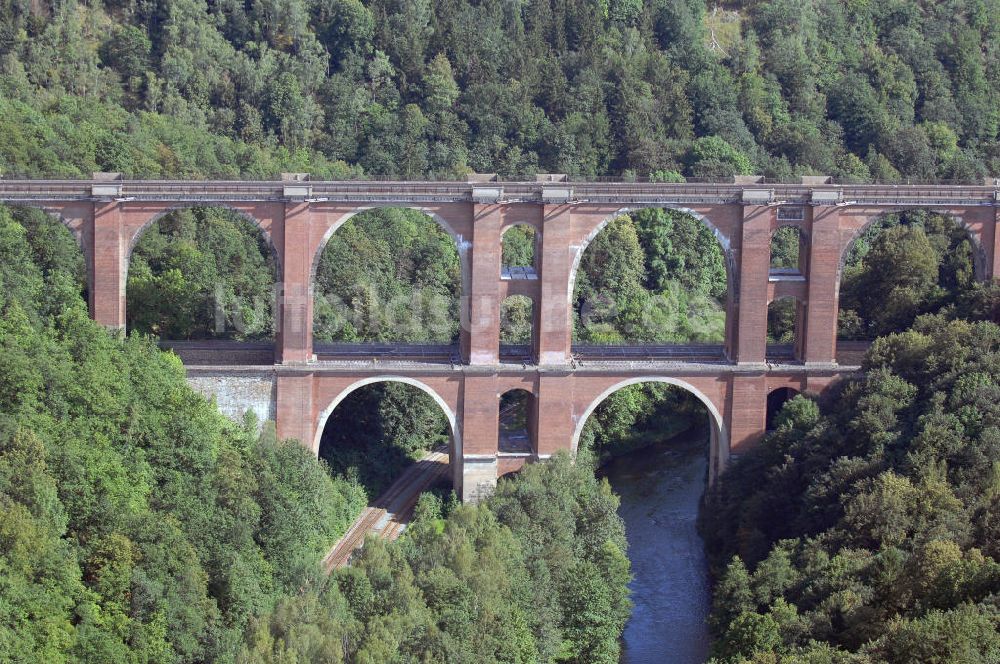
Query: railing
x=780, y=352
x=517, y=353
x=387, y=351
x=222, y=352
x=664, y=352
x=387, y=192
x=851, y=353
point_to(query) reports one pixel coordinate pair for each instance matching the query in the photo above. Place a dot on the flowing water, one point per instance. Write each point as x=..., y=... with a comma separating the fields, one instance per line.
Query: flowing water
x=660, y=487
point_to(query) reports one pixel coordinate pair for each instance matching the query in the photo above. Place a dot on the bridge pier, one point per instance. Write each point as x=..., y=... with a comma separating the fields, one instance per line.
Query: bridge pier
x=555, y=319
x=484, y=286
x=109, y=249
x=820, y=343
x=754, y=268
x=294, y=298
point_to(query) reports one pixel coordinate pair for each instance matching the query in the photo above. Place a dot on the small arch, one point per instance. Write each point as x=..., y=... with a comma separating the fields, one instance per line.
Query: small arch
x=324, y=415
x=776, y=399
x=787, y=249
x=718, y=455
x=516, y=422
x=785, y=319
x=517, y=327
x=519, y=252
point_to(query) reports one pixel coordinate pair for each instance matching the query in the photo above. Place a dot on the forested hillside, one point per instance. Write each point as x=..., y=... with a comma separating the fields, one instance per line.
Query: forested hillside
x=537, y=573
x=137, y=524
x=414, y=88
x=866, y=524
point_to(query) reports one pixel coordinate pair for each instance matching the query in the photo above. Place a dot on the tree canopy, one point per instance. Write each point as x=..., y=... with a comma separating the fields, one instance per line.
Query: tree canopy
x=864, y=527
x=136, y=522
x=858, y=90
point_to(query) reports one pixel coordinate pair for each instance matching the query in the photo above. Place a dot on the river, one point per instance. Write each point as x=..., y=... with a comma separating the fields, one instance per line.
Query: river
x=660, y=487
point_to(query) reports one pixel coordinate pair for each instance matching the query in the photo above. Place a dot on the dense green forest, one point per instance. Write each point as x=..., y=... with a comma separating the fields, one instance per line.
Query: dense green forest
x=864, y=529
x=535, y=573
x=413, y=88
x=137, y=524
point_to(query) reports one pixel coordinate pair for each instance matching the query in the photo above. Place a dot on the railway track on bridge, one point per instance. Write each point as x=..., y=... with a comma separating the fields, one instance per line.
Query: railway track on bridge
x=388, y=515
x=543, y=191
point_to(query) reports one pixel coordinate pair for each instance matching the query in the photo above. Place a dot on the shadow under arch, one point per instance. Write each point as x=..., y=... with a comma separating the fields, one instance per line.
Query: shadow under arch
x=462, y=246
x=242, y=214
x=776, y=400
x=732, y=276
x=979, y=262
x=718, y=445
x=324, y=415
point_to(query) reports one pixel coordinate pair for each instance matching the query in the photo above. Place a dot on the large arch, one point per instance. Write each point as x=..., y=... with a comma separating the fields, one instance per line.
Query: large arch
x=137, y=233
x=732, y=274
x=864, y=223
x=729, y=260
x=78, y=227
x=979, y=256
x=324, y=415
x=238, y=215
x=718, y=454
x=462, y=246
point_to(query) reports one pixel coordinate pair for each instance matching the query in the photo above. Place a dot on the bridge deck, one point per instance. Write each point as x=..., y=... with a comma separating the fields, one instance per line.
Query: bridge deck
x=386, y=192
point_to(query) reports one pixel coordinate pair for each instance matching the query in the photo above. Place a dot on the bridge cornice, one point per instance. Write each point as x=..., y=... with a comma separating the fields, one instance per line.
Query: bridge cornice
x=576, y=193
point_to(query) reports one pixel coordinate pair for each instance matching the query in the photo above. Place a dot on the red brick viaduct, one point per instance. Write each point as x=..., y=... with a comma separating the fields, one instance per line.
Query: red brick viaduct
x=299, y=391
